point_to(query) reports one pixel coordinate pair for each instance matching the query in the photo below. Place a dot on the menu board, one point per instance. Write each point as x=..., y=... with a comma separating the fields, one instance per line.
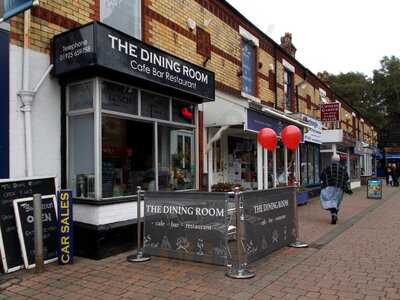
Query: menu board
x=23, y=209
x=374, y=188
x=10, y=190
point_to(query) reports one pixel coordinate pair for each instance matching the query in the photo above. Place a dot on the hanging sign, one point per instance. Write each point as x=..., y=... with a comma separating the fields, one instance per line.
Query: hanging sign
x=11, y=189
x=374, y=188
x=98, y=45
x=13, y=7
x=330, y=112
x=65, y=245
x=23, y=209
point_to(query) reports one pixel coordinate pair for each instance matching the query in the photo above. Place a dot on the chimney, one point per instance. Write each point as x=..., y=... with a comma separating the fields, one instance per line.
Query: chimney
x=286, y=43
x=324, y=77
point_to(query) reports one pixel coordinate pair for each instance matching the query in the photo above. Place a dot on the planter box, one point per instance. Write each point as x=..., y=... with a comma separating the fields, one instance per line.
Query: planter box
x=302, y=197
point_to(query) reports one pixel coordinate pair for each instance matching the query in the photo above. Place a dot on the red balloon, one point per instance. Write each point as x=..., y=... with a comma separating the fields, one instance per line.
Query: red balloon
x=291, y=137
x=268, y=138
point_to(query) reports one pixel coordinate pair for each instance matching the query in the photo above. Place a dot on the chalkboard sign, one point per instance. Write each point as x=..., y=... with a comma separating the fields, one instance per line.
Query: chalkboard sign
x=11, y=189
x=374, y=188
x=269, y=221
x=23, y=209
x=190, y=226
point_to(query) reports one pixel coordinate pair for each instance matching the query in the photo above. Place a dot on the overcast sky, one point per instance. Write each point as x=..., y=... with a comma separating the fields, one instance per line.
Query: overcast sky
x=335, y=35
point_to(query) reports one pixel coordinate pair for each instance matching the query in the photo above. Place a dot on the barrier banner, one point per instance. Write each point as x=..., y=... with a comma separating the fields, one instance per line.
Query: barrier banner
x=269, y=221
x=189, y=226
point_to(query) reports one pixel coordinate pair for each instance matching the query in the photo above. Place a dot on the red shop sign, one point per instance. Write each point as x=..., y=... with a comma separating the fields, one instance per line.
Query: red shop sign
x=330, y=112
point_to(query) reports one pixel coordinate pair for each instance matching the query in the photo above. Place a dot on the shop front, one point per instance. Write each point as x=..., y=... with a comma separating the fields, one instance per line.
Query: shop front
x=234, y=155
x=310, y=153
x=130, y=119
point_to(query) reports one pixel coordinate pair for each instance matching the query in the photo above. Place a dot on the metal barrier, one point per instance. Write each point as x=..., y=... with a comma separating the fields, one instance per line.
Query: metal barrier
x=239, y=269
x=297, y=243
x=139, y=256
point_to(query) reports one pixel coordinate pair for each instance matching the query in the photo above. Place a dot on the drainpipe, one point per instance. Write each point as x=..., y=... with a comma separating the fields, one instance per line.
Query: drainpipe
x=276, y=78
x=27, y=95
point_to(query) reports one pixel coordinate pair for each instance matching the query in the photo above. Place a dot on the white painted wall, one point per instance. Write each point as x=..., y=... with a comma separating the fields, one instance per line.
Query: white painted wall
x=46, y=128
x=106, y=214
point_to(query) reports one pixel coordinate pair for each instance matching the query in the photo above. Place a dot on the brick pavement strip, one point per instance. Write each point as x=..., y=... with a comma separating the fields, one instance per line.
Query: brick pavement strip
x=356, y=259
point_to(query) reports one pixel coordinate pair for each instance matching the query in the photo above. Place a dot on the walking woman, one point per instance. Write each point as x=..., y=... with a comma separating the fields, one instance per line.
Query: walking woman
x=334, y=182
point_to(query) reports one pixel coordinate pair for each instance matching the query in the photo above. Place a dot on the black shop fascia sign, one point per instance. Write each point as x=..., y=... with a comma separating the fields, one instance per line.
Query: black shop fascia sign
x=97, y=49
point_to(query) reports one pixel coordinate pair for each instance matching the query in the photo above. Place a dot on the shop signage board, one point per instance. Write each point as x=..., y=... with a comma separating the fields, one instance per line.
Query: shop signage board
x=374, y=188
x=98, y=45
x=189, y=226
x=10, y=190
x=358, y=148
x=23, y=209
x=256, y=121
x=269, y=221
x=65, y=244
x=10, y=8
x=330, y=112
x=313, y=135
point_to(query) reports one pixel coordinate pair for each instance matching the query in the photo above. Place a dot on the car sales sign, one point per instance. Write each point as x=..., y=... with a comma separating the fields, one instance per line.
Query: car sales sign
x=330, y=112
x=98, y=45
x=65, y=228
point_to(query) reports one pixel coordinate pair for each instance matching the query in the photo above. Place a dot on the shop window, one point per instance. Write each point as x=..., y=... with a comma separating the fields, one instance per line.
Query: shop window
x=176, y=159
x=127, y=160
x=280, y=165
x=81, y=156
x=120, y=98
x=288, y=89
x=242, y=161
x=249, y=68
x=155, y=106
x=80, y=96
x=310, y=163
x=124, y=15
x=183, y=112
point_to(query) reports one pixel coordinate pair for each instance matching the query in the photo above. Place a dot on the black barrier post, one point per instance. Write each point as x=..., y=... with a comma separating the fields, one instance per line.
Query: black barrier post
x=139, y=256
x=239, y=270
x=297, y=243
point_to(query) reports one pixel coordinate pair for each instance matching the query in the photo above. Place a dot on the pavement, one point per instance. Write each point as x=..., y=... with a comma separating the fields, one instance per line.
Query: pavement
x=358, y=258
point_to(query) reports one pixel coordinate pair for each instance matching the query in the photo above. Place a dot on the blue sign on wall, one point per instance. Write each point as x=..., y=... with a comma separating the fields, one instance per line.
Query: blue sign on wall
x=4, y=103
x=14, y=7
x=65, y=228
x=256, y=121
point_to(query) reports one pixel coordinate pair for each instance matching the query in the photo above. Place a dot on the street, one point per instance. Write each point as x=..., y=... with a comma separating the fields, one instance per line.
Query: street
x=356, y=259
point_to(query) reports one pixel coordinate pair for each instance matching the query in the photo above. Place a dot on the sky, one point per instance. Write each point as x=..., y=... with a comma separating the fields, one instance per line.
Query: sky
x=332, y=35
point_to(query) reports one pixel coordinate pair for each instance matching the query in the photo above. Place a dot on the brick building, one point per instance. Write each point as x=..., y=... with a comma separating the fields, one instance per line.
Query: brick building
x=97, y=113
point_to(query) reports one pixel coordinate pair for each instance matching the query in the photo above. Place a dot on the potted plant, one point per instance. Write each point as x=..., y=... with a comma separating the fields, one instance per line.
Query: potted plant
x=302, y=196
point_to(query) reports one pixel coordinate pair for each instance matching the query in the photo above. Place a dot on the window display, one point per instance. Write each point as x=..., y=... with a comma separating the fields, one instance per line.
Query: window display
x=81, y=156
x=155, y=106
x=280, y=165
x=127, y=159
x=310, y=163
x=242, y=161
